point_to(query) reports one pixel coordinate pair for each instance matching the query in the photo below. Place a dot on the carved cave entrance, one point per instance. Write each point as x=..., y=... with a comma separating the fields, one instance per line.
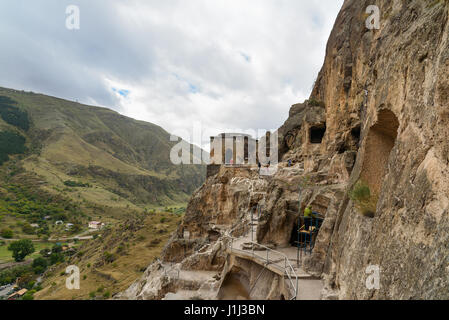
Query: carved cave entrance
x=294, y=235
x=236, y=286
x=379, y=144
x=355, y=133
x=317, y=134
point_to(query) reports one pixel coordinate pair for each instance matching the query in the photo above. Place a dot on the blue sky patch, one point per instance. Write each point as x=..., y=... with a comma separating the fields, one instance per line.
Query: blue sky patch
x=193, y=88
x=245, y=56
x=124, y=93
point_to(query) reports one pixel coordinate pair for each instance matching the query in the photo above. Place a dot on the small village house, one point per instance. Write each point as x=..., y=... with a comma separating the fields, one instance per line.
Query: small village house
x=95, y=225
x=17, y=294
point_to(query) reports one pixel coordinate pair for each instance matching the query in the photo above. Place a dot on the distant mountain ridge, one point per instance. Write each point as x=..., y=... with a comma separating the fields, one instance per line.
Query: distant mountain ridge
x=70, y=141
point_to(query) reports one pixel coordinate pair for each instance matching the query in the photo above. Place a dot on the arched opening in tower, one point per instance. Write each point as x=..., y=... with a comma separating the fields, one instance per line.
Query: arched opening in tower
x=229, y=156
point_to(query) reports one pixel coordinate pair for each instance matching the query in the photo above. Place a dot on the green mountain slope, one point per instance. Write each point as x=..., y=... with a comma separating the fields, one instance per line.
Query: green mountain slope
x=125, y=162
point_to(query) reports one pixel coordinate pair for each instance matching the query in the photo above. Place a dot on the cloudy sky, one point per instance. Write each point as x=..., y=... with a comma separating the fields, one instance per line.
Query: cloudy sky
x=222, y=64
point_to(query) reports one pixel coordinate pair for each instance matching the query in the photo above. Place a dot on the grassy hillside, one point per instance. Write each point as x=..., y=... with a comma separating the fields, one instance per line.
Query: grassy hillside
x=124, y=160
x=63, y=163
x=110, y=263
x=24, y=202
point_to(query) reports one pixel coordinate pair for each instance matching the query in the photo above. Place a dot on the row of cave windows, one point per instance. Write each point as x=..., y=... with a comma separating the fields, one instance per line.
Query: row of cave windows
x=316, y=136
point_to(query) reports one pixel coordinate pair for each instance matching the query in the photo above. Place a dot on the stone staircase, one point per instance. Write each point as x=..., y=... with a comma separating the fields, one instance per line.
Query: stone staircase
x=309, y=287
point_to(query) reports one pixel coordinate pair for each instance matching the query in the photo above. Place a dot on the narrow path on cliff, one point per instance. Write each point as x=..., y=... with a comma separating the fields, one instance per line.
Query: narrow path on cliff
x=309, y=288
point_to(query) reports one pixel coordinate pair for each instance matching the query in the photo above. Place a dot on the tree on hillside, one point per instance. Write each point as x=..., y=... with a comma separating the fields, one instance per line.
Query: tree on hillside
x=28, y=229
x=39, y=265
x=20, y=249
x=11, y=143
x=6, y=233
x=56, y=257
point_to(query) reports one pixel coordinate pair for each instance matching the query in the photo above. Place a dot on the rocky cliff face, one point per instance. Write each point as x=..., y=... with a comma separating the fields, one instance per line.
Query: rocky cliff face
x=219, y=207
x=403, y=154
x=385, y=94
x=388, y=88
x=218, y=210
x=377, y=119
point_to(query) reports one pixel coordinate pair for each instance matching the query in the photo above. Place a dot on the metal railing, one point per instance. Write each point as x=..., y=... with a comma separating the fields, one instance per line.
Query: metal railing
x=307, y=234
x=277, y=259
x=257, y=279
x=256, y=210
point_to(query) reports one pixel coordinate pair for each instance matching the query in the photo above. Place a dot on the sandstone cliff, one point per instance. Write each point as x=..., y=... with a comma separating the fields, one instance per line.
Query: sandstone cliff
x=217, y=211
x=395, y=80
x=378, y=118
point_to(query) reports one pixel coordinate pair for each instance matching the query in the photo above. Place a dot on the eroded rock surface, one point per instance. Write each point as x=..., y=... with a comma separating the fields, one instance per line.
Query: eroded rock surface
x=386, y=104
x=404, y=69
x=217, y=210
x=379, y=113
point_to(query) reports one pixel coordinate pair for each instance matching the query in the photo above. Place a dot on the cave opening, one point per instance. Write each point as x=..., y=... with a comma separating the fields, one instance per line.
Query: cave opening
x=355, y=133
x=317, y=134
x=294, y=235
x=236, y=286
x=379, y=144
x=342, y=149
x=213, y=235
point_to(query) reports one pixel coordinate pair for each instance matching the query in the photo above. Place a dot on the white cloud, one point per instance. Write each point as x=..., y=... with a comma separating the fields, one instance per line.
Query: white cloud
x=228, y=64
